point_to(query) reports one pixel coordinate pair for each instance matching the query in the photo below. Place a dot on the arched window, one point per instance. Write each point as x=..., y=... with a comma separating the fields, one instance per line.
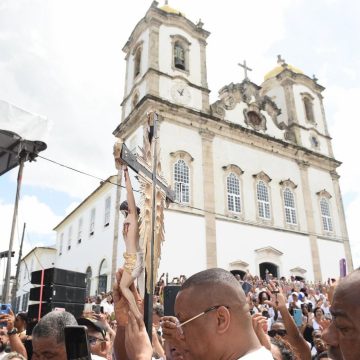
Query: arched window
x=289, y=204
x=137, y=62
x=102, y=286
x=325, y=214
x=308, y=107
x=182, y=182
x=179, y=56
x=88, y=280
x=233, y=193
x=263, y=200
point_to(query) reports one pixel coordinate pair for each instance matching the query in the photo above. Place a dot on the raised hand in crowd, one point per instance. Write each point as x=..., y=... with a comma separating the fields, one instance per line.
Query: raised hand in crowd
x=137, y=342
x=171, y=332
x=15, y=342
x=121, y=305
x=260, y=326
x=292, y=335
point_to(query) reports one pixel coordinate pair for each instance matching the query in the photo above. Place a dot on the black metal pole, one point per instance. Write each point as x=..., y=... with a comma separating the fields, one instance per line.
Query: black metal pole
x=148, y=305
x=8, y=265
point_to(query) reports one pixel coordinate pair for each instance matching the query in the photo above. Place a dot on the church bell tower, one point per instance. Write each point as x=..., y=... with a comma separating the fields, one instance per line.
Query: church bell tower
x=165, y=62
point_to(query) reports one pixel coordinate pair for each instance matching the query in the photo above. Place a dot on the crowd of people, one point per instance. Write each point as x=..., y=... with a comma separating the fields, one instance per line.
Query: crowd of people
x=218, y=316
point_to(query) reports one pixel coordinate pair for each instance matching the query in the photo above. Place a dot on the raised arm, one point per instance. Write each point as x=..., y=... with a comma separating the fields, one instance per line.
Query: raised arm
x=294, y=337
x=130, y=193
x=14, y=340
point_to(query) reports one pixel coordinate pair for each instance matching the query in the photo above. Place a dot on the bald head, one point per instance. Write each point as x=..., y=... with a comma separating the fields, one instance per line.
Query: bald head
x=349, y=288
x=215, y=286
x=212, y=306
x=343, y=335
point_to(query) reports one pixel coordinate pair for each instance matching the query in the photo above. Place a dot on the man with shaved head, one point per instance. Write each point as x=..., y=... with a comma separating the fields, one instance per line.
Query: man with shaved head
x=343, y=334
x=213, y=320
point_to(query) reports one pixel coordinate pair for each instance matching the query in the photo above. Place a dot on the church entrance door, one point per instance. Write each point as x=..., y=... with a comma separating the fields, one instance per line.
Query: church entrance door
x=268, y=267
x=238, y=272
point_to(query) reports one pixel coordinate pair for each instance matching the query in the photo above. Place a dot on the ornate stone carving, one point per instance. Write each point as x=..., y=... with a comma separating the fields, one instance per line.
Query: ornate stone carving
x=233, y=168
x=218, y=109
x=324, y=193
x=262, y=176
x=288, y=183
x=269, y=250
x=181, y=154
x=254, y=118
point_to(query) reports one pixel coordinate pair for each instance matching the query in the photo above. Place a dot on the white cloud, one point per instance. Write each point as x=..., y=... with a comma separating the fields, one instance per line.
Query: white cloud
x=39, y=219
x=344, y=130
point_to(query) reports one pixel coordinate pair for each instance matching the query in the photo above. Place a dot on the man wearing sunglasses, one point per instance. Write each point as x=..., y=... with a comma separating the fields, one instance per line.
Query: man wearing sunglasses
x=213, y=320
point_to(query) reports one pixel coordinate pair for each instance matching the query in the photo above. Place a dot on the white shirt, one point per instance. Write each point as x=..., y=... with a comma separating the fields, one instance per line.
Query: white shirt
x=260, y=354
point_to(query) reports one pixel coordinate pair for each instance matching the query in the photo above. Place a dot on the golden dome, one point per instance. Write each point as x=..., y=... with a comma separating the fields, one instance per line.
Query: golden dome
x=170, y=10
x=281, y=67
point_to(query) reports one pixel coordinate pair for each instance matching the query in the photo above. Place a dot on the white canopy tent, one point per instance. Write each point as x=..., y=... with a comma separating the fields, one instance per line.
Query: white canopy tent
x=22, y=136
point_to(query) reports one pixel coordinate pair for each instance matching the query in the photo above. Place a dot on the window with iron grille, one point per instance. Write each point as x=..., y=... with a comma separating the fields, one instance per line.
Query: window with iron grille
x=233, y=193
x=289, y=204
x=325, y=215
x=263, y=200
x=182, y=182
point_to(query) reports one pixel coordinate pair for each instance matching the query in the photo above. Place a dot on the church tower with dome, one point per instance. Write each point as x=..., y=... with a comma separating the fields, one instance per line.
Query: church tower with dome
x=254, y=172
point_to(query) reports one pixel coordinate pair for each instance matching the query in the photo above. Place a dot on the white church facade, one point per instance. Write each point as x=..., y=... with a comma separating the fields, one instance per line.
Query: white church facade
x=254, y=173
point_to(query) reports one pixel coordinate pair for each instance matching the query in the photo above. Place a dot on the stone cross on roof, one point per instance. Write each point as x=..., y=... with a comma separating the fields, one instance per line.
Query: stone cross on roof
x=245, y=69
x=281, y=61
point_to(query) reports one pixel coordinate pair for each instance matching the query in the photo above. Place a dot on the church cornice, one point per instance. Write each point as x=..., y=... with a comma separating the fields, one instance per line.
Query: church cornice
x=310, y=129
x=196, y=120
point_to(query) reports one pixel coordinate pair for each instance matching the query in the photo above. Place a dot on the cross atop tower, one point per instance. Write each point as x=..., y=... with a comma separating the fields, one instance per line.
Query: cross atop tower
x=245, y=69
x=281, y=61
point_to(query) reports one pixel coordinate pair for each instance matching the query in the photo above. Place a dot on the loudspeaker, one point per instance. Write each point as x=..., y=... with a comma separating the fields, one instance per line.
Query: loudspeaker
x=60, y=277
x=73, y=308
x=170, y=292
x=59, y=293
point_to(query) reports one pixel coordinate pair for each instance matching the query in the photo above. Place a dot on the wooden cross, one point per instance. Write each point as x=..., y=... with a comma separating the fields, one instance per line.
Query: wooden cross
x=143, y=169
x=245, y=69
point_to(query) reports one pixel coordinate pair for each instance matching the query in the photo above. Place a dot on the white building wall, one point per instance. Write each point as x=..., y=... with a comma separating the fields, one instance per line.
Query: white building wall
x=175, y=138
x=184, y=249
x=330, y=254
x=236, y=241
x=252, y=161
x=93, y=248
x=306, y=135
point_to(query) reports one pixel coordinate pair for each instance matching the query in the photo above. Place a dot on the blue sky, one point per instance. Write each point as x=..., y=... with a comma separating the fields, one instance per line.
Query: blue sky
x=63, y=59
